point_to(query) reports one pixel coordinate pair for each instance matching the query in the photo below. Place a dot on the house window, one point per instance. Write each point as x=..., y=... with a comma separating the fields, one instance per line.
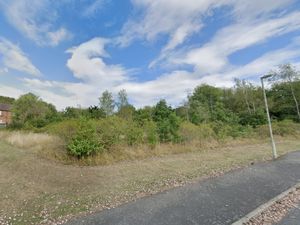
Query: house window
x=0, y=113
x=1, y=121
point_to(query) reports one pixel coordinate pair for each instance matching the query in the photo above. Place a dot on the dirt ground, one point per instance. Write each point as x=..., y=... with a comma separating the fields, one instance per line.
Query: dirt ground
x=38, y=191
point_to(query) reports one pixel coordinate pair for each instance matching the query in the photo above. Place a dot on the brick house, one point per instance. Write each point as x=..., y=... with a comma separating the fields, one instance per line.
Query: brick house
x=5, y=114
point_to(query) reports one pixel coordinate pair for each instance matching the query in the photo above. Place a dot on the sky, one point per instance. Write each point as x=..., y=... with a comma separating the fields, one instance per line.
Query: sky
x=70, y=51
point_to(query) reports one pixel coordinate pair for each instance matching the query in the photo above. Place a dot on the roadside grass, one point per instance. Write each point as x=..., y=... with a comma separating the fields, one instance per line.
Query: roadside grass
x=53, y=148
x=35, y=190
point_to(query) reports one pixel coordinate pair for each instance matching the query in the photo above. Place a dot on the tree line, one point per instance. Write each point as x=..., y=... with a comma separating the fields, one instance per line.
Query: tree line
x=238, y=107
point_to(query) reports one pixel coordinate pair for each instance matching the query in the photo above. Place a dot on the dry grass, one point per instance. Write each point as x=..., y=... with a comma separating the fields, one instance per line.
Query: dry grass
x=34, y=190
x=29, y=140
x=53, y=148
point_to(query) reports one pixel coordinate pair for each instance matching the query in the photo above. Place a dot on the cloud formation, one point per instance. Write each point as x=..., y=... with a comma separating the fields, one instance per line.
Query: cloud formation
x=171, y=24
x=15, y=58
x=35, y=20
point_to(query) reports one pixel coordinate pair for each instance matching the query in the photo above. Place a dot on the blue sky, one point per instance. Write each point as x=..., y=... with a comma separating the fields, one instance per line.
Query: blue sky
x=69, y=51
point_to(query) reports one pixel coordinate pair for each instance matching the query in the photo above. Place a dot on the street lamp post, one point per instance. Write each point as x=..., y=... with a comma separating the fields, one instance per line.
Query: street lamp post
x=268, y=115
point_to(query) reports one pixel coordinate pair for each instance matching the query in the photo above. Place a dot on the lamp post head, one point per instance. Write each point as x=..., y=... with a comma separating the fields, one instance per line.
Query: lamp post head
x=266, y=76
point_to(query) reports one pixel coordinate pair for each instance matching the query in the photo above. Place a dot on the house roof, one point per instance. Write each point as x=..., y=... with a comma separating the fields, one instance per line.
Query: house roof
x=5, y=107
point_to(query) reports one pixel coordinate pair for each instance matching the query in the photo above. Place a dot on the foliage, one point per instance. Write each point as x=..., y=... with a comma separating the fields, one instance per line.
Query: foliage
x=107, y=103
x=190, y=132
x=126, y=112
x=289, y=75
x=30, y=111
x=112, y=131
x=208, y=114
x=94, y=112
x=72, y=113
x=65, y=129
x=167, y=122
x=143, y=116
x=255, y=119
x=134, y=134
x=122, y=99
x=282, y=128
x=150, y=133
x=6, y=100
x=85, y=142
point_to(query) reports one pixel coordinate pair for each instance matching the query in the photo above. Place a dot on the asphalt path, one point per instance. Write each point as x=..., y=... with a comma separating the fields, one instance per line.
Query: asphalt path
x=216, y=201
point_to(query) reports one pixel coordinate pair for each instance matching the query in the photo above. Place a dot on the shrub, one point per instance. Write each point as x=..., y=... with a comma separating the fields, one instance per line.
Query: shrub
x=286, y=127
x=151, y=136
x=134, y=134
x=282, y=128
x=254, y=120
x=65, y=129
x=167, y=122
x=112, y=131
x=190, y=132
x=85, y=142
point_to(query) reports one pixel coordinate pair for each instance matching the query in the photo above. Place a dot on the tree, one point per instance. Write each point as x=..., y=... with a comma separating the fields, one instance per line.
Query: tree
x=143, y=116
x=126, y=112
x=244, y=93
x=107, y=103
x=288, y=74
x=6, y=100
x=95, y=112
x=167, y=122
x=122, y=99
x=30, y=110
x=72, y=112
x=204, y=104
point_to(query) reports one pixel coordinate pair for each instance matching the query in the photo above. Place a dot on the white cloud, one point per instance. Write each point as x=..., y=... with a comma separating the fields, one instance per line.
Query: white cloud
x=15, y=58
x=172, y=86
x=34, y=19
x=213, y=56
x=10, y=91
x=174, y=17
x=87, y=64
x=58, y=36
x=93, y=8
x=178, y=19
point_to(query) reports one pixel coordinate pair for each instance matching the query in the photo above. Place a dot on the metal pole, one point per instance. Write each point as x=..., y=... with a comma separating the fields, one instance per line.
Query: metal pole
x=269, y=119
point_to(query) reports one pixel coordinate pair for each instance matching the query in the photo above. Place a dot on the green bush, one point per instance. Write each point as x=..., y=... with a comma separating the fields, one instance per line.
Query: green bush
x=112, y=131
x=282, y=128
x=190, y=132
x=65, y=129
x=85, y=142
x=150, y=133
x=286, y=127
x=254, y=120
x=167, y=122
x=134, y=134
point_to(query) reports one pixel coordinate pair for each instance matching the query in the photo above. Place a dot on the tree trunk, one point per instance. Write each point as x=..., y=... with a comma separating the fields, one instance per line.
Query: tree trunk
x=295, y=99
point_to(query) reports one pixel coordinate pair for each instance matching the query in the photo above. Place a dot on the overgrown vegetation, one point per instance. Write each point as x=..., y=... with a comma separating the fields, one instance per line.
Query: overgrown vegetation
x=208, y=114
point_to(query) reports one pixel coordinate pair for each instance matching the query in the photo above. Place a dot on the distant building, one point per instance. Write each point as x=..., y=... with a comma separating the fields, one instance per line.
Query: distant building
x=5, y=115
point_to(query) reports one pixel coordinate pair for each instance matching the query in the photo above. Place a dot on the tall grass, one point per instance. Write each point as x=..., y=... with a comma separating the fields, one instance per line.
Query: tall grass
x=41, y=143
x=194, y=138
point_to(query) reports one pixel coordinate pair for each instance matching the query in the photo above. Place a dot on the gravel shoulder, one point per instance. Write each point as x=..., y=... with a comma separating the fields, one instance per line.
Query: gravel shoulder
x=283, y=211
